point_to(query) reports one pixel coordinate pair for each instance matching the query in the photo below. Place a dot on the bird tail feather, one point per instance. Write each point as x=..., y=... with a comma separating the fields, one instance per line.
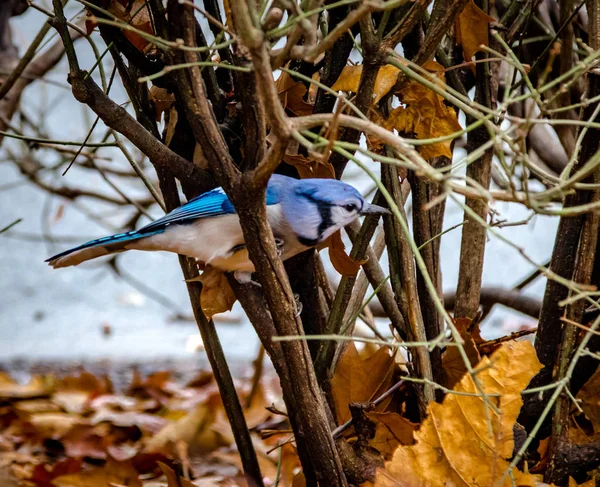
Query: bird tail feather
x=97, y=248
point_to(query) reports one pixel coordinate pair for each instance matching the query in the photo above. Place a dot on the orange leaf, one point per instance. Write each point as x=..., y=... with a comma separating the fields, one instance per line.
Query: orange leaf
x=463, y=441
x=472, y=30
x=342, y=262
x=350, y=77
x=359, y=380
x=217, y=295
x=310, y=167
x=391, y=431
x=425, y=114
x=291, y=95
x=136, y=15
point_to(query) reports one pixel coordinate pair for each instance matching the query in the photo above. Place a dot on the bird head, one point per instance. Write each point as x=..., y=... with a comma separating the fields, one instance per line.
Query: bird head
x=317, y=208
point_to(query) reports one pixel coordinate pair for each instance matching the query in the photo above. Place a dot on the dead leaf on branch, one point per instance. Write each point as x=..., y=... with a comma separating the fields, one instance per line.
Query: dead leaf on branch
x=453, y=445
x=292, y=94
x=340, y=260
x=452, y=360
x=361, y=380
x=217, y=295
x=349, y=80
x=391, y=430
x=425, y=114
x=472, y=26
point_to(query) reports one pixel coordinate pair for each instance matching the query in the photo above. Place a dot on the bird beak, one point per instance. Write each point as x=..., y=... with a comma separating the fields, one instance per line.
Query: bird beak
x=369, y=209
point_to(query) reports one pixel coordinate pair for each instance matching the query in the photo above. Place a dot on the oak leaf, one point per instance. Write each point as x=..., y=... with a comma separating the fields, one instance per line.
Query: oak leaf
x=349, y=80
x=465, y=441
x=425, y=114
x=472, y=30
x=360, y=380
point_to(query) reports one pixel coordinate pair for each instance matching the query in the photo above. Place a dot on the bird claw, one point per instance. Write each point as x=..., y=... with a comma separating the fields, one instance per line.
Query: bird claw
x=244, y=277
x=279, y=242
x=299, y=305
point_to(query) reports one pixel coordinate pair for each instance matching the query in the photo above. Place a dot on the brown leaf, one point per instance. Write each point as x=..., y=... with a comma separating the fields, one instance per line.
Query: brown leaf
x=120, y=473
x=136, y=14
x=341, y=261
x=44, y=474
x=217, y=295
x=310, y=167
x=162, y=100
x=454, y=445
x=292, y=94
x=589, y=396
x=425, y=115
x=453, y=363
x=349, y=80
x=359, y=380
x=472, y=30
x=38, y=386
x=54, y=425
x=391, y=430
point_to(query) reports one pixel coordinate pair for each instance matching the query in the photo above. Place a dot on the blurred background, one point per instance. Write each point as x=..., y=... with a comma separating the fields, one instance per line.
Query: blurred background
x=135, y=309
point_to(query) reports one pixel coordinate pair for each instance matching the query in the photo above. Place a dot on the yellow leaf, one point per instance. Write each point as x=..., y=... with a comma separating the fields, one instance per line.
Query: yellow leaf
x=391, y=430
x=425, y=114
x=37, y=387
x=454, y=445
x=217, y=295
x=358, y=380
x=385, y=81
x=472, y=30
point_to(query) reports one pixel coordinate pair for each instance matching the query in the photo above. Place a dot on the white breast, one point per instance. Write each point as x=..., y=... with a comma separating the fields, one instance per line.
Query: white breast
x=210, y=240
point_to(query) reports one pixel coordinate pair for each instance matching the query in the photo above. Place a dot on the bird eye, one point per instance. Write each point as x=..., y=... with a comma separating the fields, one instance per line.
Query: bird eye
x=350, y=207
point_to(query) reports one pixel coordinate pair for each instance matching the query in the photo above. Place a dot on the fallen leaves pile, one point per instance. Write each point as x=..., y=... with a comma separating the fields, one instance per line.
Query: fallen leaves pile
x=77, y=432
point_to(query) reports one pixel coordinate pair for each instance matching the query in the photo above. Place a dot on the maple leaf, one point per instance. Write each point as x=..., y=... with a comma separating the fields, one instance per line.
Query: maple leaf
x=472, y=30
x=425, y=114
x=361, y=380
x=350, y=77
x=454, y=445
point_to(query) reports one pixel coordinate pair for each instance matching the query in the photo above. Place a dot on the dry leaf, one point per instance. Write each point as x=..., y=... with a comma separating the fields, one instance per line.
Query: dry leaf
x=453, y=445
x=425, y=115
x=162, y=100
x=217, y=295
x=589, y=397
x=38, y=386
x=44, y=474
x=589, y=483
x=341, y=261
x=310, y=167
x=350, y=77
x=136, y=14
x=453, y=363
x=360, y=380
x=391, y=430
x=472, y=30
x=120, y=473
x=291, y=95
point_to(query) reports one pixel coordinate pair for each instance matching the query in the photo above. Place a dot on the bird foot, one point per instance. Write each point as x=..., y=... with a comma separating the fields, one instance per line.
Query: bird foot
x=279, y=244
x=299, y=305
x=244, y=277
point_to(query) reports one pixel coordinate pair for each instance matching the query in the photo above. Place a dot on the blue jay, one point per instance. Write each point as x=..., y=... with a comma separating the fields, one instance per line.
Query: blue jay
x=302, y=213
